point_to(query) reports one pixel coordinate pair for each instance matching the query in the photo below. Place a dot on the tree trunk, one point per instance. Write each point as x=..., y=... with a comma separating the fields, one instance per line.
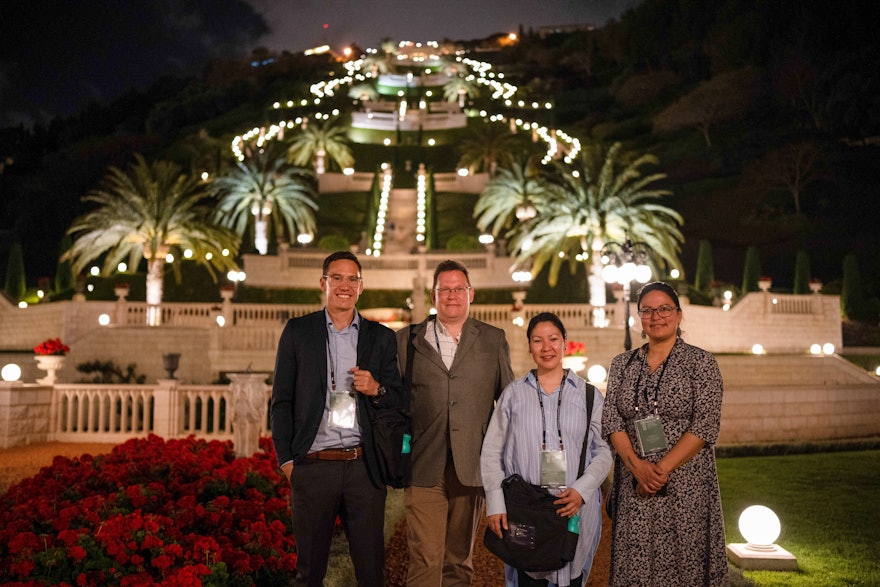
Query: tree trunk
x=155, y=278
x=261, y=234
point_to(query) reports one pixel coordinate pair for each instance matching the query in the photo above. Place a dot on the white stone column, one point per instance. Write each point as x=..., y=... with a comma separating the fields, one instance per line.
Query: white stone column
x=166, y=409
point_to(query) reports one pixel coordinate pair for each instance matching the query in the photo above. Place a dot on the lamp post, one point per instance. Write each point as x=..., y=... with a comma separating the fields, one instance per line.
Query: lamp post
x=625, y=263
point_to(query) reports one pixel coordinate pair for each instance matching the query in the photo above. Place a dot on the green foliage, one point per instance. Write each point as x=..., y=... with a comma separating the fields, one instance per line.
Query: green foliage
x=853, y=302
x=463, y=242
x=317, y=141
x=279, y=193
x=751, y=270
x=146, y=212
x=15, y=285
x=705, y=274
x=64, y=279
x=333, y=242
x=109, y=372
x=802, y=273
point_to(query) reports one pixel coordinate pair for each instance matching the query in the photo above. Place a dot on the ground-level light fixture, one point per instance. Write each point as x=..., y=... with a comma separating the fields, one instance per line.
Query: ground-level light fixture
x=760, y=526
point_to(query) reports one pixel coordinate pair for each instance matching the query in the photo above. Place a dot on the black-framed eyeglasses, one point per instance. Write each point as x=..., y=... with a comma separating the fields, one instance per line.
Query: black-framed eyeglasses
x=662, y=311
x=337, y=280
x=448, y=291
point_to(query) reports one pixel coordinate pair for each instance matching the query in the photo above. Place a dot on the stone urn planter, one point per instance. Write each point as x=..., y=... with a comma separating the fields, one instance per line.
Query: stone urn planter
x=51, y=364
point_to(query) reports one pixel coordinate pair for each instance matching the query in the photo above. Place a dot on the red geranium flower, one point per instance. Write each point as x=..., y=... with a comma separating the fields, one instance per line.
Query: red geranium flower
x=52, y=346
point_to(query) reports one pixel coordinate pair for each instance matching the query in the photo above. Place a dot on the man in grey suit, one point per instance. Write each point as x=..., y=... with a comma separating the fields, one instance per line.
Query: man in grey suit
x=456, y=368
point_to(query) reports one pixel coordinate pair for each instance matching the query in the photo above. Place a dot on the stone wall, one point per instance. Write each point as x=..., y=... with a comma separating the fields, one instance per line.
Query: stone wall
x=24, y=413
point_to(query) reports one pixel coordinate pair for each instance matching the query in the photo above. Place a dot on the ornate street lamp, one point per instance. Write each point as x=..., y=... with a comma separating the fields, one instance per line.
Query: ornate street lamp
x=625, y=263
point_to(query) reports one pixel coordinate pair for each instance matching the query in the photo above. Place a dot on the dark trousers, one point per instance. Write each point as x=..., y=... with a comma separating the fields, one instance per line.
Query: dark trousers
x=523, y=580
x=322, y=490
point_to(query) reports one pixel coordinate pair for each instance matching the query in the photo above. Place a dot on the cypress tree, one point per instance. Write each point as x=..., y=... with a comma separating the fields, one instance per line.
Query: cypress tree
x=852, y=297
x=751, y=270
x=705, y=268
x=15, y=285
x=63, y=273
x=802, y=273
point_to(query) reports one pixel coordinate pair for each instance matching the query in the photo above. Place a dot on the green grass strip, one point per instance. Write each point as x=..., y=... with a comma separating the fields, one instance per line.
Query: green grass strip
x=827, y=504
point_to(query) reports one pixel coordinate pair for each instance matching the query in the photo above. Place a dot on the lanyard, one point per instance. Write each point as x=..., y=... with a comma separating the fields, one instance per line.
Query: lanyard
x=332, y=366
x=636, y=389
x=558, y=410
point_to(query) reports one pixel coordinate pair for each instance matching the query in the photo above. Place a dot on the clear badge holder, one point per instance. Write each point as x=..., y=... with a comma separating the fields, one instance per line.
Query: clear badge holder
x=650, y=434
x=343, y=409
x=553, y=469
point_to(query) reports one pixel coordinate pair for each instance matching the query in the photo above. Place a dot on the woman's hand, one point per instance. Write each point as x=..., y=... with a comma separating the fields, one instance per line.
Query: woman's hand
x=570, y=501
x=497, y=522
x=650, y=477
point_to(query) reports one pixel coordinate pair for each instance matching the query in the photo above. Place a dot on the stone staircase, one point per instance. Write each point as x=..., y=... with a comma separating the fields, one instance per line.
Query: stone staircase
x=400, y=222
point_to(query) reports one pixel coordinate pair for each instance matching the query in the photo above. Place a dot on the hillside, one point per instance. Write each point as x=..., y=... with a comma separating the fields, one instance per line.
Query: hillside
x=764, y=117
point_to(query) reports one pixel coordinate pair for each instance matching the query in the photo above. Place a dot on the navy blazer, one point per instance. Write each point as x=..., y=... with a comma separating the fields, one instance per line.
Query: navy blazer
x=300, y=384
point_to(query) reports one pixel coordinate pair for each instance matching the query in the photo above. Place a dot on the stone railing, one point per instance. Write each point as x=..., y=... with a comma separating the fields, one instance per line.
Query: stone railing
x=114, y=413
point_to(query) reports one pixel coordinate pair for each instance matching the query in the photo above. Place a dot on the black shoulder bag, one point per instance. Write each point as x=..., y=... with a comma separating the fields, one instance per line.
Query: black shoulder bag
x=392, y=431
x=537, y=538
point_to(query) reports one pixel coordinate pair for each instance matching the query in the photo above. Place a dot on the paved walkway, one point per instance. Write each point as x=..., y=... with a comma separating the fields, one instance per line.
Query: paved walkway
x=21, y=462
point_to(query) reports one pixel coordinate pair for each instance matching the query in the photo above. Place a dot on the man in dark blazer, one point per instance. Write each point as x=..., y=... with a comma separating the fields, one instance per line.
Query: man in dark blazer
x=333, y=370
x=459, y=368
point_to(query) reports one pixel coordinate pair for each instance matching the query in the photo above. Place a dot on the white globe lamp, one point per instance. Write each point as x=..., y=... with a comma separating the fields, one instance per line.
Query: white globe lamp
x=760, y=526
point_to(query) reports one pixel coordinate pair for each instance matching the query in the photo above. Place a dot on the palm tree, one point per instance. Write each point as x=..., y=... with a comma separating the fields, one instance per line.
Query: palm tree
x=511, y=195
x=150, y=211
x=267, y=187
x=363, y=92
x=316, y=141
x=490, y=146
x=458, y=87
x=602, y=197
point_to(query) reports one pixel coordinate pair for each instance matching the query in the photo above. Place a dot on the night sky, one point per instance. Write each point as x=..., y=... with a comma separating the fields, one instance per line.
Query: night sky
x=59, y=55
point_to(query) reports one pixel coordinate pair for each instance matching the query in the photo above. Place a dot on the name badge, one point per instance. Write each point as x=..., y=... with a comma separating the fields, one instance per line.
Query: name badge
x=649, y=432
x=343, y=409
x=553, y=468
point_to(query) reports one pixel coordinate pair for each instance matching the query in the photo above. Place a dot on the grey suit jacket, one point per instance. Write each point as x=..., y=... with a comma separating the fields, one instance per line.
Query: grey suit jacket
x=451, y=407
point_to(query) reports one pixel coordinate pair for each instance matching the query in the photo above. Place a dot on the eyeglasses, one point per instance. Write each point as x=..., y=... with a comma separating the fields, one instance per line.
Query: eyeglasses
x=662, y=311
x=338, y=280
x=448, y=291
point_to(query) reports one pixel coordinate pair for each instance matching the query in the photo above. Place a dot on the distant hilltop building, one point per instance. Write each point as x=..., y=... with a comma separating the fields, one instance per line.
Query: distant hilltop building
x=546, y=31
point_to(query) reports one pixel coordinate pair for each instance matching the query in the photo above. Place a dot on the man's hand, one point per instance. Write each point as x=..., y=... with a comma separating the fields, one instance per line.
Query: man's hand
x=364, y=382
x=287, y=469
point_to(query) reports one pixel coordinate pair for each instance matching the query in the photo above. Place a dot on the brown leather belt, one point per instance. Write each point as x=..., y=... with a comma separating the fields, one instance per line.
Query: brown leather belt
x=337, y=454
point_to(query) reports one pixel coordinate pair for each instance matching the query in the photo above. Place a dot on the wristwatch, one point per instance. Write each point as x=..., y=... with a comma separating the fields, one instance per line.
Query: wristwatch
x=380, y=393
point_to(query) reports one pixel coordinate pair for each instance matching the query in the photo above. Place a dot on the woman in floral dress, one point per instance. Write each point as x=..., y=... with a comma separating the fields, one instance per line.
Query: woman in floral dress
x=662, y=415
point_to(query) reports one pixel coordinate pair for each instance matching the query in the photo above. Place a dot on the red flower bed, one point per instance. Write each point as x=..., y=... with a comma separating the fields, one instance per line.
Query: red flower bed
x=176, y=513
x=574, y=349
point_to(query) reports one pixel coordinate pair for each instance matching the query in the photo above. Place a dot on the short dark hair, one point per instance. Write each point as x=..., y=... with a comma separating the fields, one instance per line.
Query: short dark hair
x=545, y=317
x=450, y=265
x=340, y=256
x=658, y=286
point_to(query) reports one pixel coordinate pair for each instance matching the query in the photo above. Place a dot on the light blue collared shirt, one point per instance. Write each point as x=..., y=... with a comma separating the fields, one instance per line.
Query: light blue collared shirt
x=341, y=356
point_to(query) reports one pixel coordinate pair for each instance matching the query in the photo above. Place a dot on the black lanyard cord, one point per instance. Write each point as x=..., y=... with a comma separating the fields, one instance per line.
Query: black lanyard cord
x=649, y=400
x=558, y=410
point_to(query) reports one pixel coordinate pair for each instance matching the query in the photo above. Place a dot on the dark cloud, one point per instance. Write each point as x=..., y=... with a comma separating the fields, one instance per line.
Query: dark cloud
x=58, y=55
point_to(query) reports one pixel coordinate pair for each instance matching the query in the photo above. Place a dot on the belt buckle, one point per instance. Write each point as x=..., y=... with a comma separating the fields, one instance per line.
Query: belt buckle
x=351, y=451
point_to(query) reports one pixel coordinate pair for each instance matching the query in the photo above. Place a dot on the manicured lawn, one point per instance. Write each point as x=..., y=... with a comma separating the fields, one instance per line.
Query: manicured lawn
x=827, y=504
